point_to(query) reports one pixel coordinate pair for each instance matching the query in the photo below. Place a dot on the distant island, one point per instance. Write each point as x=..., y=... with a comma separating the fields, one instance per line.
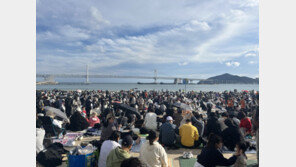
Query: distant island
x=229, y=79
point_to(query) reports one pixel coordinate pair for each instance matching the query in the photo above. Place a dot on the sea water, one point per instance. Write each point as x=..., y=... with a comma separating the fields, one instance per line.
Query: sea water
x=129, y=86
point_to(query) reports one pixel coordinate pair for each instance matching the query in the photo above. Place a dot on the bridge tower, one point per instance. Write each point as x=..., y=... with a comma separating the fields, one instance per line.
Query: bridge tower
x=49, y=78
x=86, y=74
x=155, y=75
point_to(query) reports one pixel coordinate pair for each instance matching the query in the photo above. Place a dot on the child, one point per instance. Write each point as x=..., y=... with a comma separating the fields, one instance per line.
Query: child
x=241, y=160
x=93, y=119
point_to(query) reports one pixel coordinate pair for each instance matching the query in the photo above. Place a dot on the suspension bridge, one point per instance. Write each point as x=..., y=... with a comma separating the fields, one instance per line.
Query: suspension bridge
x=50, y=78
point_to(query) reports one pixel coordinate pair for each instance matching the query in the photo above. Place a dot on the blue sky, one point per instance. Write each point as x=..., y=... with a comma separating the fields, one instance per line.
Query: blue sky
x=188, y=38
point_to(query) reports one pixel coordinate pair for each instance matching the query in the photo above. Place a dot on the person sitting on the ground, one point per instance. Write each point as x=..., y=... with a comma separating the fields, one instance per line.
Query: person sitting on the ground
x=177, y=116
x=108, y=127
x=93, y=119
x=107, y=146
x=150, y=121
x=82, y=112
x=189, y=135
x=131, y=162
x=245, y=123
x=128, y=131
x=119, y=154
x=186, y=115
x=221, y=120
x=40, y=133
x=54, y=121
x=256, y=130
x=77, y=122
x=152, y=153
x=122, y=120
x=232, y=116
x=198, y=123
x=212, y=125
x=241, y=160
x=167, y=133
x=231, y=135
x=211, y=155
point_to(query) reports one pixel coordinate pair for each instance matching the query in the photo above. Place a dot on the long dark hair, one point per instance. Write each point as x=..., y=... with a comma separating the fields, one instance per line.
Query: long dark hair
x=213, y=140
x=243, y=146
x=152, y=136
x=114, y=136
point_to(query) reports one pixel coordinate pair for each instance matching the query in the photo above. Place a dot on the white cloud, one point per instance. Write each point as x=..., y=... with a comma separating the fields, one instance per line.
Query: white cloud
x=252, y=62
x=250, y=54
x=113, y=32
x=98, y=16
x=183, y=64
x=232, y=64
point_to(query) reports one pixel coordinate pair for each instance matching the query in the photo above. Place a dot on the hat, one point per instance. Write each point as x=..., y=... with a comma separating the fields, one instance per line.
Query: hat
x=127, y=141
x=40, y=114
x=169, y=118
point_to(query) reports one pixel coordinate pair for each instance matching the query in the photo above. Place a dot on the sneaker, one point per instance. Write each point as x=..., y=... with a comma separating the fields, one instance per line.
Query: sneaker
x=185, y=155
x=190, y=155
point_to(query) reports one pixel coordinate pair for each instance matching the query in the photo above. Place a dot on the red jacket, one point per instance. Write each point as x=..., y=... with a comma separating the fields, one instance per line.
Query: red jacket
x=93, y=120
x=246, y=123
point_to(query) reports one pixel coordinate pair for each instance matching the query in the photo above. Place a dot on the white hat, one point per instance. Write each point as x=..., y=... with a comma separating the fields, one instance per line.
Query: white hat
x=169, y=118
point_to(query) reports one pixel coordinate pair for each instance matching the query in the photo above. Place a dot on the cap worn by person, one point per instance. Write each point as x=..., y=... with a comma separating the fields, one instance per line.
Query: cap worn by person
x=169, y=118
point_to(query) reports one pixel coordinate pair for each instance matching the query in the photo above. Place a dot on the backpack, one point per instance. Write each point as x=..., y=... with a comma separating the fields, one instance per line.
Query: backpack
x=51, y=156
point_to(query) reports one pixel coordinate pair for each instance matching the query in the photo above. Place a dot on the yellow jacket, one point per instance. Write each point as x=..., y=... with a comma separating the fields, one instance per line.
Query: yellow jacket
x=188, y=134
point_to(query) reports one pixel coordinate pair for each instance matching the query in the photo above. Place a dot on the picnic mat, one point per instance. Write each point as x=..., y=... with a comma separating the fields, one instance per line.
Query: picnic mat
x=190, y=162
x=136, y=147
x=170, y=162
x=69, y=139
x=143, y=135
x=232, y=152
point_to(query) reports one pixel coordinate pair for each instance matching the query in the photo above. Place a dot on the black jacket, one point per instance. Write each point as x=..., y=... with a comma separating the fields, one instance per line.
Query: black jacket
x=231, y=136
x=212, y=126
x=211, y=157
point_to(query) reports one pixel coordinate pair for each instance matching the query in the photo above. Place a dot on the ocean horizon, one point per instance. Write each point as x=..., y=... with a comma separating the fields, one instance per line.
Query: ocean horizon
x=148, y=86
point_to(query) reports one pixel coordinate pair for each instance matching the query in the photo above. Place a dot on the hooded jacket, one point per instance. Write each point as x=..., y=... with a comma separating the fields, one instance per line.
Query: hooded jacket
x=116, y=156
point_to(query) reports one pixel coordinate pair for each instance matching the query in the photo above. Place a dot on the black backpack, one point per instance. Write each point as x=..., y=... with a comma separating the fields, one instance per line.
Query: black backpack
x=51, y=156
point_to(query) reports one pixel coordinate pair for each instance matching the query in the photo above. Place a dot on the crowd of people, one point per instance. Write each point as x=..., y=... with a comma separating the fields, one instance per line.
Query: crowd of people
x=211, y=121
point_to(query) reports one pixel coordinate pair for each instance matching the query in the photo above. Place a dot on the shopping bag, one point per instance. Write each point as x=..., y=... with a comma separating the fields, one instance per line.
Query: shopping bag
x=81, y=160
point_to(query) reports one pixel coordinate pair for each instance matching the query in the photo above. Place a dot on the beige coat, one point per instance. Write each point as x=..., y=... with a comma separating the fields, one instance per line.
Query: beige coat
x=153, y=155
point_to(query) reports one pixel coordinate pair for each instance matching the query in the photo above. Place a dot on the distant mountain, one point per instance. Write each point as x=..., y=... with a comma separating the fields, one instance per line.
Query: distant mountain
x=229, y=79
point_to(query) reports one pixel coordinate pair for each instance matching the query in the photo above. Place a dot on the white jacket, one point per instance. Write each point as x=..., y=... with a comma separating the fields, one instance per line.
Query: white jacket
x=153, y=155
x=150, y=121
x=106, y=147
x=39, y=139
